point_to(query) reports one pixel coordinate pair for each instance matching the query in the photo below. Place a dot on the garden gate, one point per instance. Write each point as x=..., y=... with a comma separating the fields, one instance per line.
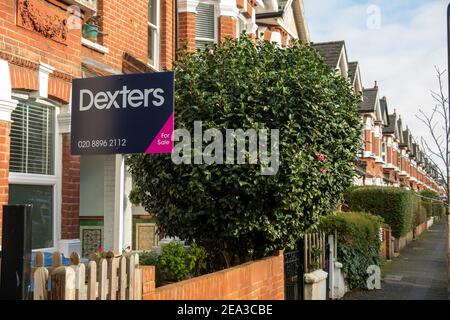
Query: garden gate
x=312, y=253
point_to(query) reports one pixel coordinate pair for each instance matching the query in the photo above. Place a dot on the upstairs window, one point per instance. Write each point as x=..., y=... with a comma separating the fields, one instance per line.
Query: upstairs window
x=383, y=151
x=33, y=139
x=241, y=25
x=205, y=25
x=153, y=33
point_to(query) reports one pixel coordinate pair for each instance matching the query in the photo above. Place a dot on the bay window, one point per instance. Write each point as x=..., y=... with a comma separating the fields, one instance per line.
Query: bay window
x=383, y=151
x=205, y=24
x=33, y=177
x=241, y=25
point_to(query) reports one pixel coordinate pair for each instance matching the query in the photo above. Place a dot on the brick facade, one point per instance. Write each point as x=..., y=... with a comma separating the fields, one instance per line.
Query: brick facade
x=126, y=31
x=167, y=34
x=5, y=127
x=35, y=46
x=70, y=206
x=186, y=30
x=227, y=27
x=257, y=280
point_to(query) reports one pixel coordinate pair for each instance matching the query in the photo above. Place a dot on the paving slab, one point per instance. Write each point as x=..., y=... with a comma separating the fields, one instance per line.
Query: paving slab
x=419, y=273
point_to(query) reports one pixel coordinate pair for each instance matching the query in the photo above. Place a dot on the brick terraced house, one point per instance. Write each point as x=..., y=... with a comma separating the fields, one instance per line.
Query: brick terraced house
x=389, y=156
x=45, y=44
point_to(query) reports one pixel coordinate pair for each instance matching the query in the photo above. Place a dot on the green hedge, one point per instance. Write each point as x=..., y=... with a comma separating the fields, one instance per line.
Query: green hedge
x=358, y=243
x=420, y=213
x=433, y=206
x=396, y=206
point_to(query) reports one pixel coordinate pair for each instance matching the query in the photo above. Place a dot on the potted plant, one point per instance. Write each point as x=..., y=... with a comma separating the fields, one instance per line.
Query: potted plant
x=90, y=28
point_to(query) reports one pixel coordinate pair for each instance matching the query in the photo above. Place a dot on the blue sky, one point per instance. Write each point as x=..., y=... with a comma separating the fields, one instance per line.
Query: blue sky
x=397, y=42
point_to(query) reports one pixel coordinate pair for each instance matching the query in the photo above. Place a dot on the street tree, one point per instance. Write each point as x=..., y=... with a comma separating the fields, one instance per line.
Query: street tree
x=437, y=121
x=233, y=210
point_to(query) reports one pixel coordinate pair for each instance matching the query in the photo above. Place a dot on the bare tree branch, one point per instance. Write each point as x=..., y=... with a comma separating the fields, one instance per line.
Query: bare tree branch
x=439, y=117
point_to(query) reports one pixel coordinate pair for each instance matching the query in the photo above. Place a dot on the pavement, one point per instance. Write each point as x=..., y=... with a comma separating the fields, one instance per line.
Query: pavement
x=419, y=273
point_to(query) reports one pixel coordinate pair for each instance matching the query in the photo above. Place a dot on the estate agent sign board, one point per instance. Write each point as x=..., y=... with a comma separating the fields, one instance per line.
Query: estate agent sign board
x=123, y=114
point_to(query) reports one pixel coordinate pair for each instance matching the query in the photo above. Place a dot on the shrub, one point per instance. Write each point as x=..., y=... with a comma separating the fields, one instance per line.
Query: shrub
x=234, y=211
x=434, y=206
x=177, y=262
x=396, y=206
x=149, y=258
x=358, y=243
x=420, y=211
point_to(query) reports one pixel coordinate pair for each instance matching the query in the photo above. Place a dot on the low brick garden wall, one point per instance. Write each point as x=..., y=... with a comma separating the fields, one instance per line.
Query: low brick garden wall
x=401, y=243
x=257, y=280
x=421, y=228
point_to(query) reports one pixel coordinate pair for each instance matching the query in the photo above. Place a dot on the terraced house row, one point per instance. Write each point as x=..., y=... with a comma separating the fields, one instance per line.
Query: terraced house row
x=389, y=155
x=44, y=44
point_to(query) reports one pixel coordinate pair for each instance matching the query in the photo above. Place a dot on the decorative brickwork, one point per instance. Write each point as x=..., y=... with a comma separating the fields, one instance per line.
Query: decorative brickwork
x=38, y=16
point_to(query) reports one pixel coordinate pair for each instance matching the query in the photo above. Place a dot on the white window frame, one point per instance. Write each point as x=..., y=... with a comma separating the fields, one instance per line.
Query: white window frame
x=216, y=22
x=384, y=153
x=41, y=179
x=156, y=35
x=243, y=19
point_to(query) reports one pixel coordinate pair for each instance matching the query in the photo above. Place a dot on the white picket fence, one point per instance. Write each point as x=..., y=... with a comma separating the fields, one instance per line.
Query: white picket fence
x=113, y=278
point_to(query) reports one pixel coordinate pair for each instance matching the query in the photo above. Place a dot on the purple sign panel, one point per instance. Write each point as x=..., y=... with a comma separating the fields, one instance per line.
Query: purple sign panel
x=123, y=114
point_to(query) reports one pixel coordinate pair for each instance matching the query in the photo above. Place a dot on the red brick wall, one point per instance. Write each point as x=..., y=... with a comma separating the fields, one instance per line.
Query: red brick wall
x=374, y=144
x=260, y=280
x=167, y=34
x=389, y=155
x=186, y=30
x=5, y=128
x=125, y=23
x=227, y=27
x=70, y=206
x=373, y=168
x=35, y=47
x=367, y=140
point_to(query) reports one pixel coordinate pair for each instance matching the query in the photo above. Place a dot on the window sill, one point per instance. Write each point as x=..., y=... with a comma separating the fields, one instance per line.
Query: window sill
x=152, y=67
x=94, y=46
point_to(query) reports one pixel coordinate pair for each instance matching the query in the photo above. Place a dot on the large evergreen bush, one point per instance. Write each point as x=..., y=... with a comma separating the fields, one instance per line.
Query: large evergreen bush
x=233, y=211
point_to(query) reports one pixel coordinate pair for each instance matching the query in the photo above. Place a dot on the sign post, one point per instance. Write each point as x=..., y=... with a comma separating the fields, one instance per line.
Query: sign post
x=118, y=115
x=448, y=78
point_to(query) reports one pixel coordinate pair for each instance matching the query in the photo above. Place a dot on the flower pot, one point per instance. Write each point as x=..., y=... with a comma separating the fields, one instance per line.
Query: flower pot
x=90, y=32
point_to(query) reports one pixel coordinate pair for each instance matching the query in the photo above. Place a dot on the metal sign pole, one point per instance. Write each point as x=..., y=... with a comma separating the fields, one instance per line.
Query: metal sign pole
x=119, y=196
x=448, y=78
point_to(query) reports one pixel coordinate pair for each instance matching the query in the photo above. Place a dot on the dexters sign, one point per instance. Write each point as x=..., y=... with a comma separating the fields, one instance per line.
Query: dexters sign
x=123, y=114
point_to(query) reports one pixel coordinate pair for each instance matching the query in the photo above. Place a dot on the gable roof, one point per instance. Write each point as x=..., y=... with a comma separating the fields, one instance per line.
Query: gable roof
x=400, y=130
x=353, y=70
x=384, y=111
x=369, y=102
x=407, y=139
x=391, y=128
x=288, y=14
x=330, y=52
x=415, y=150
